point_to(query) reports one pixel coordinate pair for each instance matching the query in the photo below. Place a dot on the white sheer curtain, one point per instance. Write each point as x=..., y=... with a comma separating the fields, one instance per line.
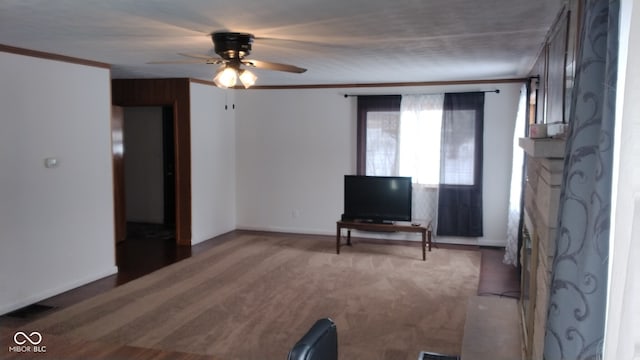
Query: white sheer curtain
x=511, y=250
x=419, y=151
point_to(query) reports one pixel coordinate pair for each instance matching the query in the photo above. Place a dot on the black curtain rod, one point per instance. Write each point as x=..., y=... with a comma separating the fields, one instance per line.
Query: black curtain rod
x=497, y=91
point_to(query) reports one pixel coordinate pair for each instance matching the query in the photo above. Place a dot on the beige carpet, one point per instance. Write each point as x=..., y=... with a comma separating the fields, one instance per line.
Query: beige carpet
x=255, y=296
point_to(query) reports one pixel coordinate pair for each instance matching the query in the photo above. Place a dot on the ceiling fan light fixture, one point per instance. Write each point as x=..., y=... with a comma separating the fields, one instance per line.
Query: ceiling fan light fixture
x=232, y=48
x=247, y=78
x=226, y=77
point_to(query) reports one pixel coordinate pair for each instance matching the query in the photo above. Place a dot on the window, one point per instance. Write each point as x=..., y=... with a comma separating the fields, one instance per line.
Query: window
x=437, y=140
x=460, y=190
x=377, y=147
x=382, y=143
x=458, y=149
x=402, y=138
x=420, y=138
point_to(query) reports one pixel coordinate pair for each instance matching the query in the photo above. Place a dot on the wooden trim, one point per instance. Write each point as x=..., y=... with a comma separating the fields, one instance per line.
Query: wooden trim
x=73, y=60
x=203, y=82
x=120, y=215
x=50, y=56
x=173, y=92
x=376, y=85
x=369, y=85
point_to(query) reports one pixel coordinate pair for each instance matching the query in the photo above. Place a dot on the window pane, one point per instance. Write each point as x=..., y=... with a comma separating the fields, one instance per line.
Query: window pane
x=382, y=143
x=458, y=146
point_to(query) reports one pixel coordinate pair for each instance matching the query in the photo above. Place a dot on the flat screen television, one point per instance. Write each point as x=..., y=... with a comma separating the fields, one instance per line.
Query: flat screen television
x=380, y=199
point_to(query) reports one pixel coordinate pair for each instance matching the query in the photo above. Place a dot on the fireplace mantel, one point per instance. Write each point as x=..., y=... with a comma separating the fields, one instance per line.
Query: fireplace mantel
x=543, y=148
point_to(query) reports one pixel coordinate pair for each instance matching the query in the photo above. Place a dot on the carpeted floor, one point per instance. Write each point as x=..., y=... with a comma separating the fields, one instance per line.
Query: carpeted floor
x=254, y=297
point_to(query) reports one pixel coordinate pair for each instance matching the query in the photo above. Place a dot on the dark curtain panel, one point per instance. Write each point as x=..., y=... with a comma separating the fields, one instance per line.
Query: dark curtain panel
x=578, y=299
x=368, y=104
x=460, y=192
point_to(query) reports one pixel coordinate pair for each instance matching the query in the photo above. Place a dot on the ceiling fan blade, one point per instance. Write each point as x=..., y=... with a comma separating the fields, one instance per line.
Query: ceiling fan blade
x=196, y=56
x=194, y=61
x=207, y=59
x=273, y=66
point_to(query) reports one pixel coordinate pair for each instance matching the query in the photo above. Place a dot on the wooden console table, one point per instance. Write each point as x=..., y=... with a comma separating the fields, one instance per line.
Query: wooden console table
x=352, y=225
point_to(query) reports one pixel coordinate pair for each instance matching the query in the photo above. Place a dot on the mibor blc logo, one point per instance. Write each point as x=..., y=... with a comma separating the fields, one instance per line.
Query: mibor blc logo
x=27, y=343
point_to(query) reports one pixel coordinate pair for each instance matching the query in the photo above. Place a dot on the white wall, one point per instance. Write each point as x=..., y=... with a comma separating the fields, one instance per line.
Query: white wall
x=144, y=164
x=213, y=177
x=499, y=122
x=622, y=335
x=294, y=146
x=56, y=224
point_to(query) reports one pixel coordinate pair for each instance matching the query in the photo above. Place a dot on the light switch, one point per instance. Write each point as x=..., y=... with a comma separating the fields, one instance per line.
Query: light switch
x=51, y=162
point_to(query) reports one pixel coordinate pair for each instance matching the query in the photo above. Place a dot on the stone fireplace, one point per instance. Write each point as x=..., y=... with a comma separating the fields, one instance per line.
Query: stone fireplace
x=544, y=167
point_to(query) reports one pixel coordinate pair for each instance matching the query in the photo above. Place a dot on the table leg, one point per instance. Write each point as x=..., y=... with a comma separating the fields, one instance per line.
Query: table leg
x=338, y=239
x=349, y=237
x=429, y=239
x=424, y=246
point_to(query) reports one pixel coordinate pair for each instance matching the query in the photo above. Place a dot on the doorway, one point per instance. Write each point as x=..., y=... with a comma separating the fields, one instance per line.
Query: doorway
x=149, y=172
x=149, y=192
x=157, y=92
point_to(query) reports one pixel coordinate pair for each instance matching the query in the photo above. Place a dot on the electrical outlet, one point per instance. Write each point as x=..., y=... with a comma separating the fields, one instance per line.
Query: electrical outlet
x=51, y=163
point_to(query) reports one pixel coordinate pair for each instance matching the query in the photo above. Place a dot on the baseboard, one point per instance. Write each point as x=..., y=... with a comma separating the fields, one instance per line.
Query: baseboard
x=56, y=291
x=492, y=242
x=355, y=233
x=285, y=230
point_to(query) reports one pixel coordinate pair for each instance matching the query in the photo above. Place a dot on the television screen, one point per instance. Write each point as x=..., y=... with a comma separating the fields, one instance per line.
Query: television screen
x=377, y=198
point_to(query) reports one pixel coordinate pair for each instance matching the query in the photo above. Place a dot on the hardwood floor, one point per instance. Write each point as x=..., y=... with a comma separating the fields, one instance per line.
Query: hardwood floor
x=140, y=255
x=60, y=347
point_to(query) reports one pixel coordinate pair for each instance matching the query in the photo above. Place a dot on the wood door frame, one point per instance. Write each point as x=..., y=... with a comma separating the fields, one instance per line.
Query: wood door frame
x=175, y=93
x=168, y=167
x=117, y=156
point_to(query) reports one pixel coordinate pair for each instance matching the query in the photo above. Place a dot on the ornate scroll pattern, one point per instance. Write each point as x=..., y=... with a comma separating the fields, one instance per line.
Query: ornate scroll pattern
x=576, y=318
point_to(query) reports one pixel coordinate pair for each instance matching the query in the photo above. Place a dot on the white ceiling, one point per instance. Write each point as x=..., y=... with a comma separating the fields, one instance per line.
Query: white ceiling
x=338, y=41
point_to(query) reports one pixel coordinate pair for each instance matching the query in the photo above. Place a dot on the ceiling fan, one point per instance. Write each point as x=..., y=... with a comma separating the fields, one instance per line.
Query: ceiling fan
x=232, y=48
